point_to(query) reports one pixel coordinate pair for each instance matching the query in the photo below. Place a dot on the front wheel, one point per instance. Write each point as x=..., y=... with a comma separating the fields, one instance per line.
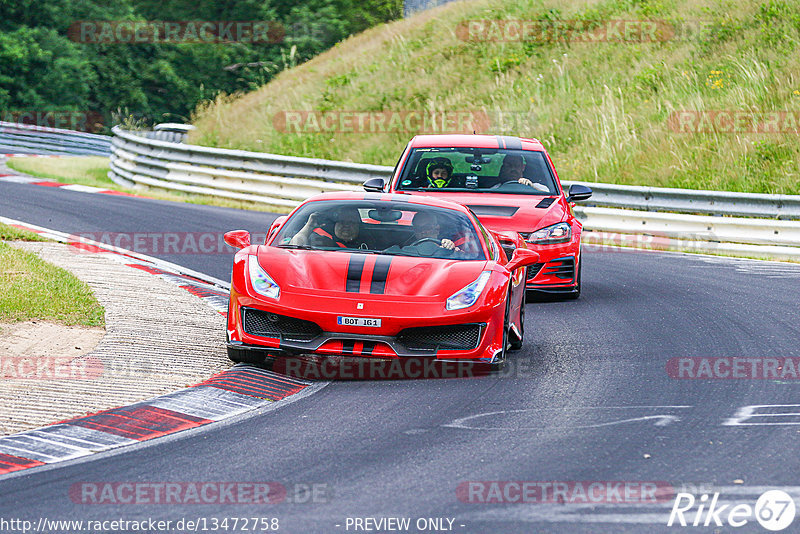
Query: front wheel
x=238, y=355
x=516, y=342
x=500, y=358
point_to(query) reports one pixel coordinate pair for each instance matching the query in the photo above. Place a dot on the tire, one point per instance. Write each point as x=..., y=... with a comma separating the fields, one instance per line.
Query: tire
x=516, y=344
x=245, y=356
x=501, y=359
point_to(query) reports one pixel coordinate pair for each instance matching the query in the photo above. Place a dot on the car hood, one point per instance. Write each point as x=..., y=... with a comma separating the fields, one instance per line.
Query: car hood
x=516, y=213
x=350, y=274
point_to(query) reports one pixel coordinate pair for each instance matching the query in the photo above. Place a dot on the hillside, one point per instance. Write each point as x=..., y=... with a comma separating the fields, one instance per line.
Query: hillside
x=645, y=108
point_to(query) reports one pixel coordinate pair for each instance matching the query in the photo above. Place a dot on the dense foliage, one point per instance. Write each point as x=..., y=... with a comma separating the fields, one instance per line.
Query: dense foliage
x=44, y=67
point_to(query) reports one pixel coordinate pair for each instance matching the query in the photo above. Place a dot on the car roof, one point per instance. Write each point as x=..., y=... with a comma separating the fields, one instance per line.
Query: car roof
x=393, y=197
x=476, y=141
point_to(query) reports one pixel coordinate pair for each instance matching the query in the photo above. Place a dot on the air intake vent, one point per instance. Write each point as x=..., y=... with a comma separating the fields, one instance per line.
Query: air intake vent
x=261, y=323
x=450, y=337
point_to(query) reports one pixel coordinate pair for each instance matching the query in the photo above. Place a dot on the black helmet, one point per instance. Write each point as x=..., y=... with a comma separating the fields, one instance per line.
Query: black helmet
x=439, y=163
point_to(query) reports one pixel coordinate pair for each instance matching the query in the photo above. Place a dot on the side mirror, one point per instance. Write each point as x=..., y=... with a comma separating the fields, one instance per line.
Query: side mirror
x=274, y=228
x=238, y=238
x=578, y=192
x=522, y=258
x=375, y=185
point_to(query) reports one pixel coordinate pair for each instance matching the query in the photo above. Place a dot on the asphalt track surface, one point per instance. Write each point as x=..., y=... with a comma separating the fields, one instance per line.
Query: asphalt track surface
x=588, y=399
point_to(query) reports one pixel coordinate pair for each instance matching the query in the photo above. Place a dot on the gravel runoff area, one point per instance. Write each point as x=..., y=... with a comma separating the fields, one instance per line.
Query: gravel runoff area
x=159, y=338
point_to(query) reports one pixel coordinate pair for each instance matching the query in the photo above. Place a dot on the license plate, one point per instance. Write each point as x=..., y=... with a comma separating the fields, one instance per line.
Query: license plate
x=358, y=321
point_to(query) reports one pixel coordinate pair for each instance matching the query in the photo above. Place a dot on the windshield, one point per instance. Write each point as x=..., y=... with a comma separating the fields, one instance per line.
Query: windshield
x=381, y=227
x=520, y=172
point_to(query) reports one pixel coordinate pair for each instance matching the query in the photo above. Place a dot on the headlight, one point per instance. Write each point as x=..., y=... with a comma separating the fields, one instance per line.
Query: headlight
x=469, y=295
x=557, y=233
x=262, y=283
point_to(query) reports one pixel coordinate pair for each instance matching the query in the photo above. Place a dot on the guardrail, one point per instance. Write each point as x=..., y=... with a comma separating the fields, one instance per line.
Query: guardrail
x=24, y=139
x=282, y=181
x=285, y=181
x=693, y=201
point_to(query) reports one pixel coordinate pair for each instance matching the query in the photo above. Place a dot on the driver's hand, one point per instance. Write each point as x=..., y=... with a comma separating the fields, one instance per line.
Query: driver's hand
x=313, y=219
x=449, y=245
x=525, y=181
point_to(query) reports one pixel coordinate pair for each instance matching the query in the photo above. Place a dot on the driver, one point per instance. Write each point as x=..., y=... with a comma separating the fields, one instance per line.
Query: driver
x=345, y=231
x=426, y=226
x=511, y=171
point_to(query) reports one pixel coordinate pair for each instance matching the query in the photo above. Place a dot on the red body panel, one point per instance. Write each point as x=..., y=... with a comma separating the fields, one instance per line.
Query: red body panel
x=314, y=287
x=528, y=218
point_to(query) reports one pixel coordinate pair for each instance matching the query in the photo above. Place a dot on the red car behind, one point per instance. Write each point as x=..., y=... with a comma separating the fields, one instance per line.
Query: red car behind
x=510, y=184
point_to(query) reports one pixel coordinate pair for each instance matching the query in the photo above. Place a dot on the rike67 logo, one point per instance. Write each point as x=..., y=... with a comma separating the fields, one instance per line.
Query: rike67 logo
x=774, y=510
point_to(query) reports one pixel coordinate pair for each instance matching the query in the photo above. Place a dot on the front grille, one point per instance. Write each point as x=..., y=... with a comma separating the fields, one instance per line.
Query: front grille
x=534, y=269
x=563, y=268
x=450, y=337
x=261, y=323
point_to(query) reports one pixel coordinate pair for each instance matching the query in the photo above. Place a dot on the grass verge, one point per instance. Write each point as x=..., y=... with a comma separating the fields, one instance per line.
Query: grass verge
x=603, y=108
x=93, y=171
x=10, y=233
x=35, y=289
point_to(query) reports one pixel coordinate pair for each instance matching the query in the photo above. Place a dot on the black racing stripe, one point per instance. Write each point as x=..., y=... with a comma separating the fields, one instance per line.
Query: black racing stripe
x=354, y=271
x=368, y=348
x=348, y=347
x=512, y=142
x=379, y=274
x=500, y=142
x=372, y=196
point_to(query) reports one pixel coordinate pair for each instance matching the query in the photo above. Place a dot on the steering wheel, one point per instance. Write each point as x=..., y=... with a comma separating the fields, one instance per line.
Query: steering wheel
x=424, y=239
x=498, y=185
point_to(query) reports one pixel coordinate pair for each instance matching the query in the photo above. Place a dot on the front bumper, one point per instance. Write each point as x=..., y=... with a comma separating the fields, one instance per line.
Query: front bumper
x=288, y=335
x=557, y=270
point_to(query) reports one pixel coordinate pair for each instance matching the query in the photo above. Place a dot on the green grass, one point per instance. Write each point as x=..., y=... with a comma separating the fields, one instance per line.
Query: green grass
x=35, y=289
x=93, y=171
x=601, y=109
x=10, y=233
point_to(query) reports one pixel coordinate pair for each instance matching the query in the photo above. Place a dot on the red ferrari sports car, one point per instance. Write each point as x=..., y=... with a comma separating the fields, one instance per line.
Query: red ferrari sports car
x=511, y=185
x=378, y=276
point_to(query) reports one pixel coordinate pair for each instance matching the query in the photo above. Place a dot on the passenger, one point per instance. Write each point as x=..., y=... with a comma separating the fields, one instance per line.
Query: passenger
x=439, y=172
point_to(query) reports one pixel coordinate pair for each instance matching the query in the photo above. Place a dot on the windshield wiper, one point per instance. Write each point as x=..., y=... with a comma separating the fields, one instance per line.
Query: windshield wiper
x=298, y=247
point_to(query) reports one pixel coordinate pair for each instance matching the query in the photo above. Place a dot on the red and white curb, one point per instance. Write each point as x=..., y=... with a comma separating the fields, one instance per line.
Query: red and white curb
x=232, y=392
x=235, y=391
x=14, y=177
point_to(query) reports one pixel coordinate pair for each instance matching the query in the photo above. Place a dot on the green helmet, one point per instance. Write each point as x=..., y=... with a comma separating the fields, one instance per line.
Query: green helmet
x=439, y=163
